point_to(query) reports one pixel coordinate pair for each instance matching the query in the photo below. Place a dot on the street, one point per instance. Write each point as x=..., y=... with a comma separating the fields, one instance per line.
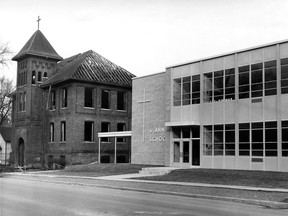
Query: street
x=26, y=197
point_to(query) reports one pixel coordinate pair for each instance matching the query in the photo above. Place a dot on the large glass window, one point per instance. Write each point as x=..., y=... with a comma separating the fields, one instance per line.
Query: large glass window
x=218, y=140
x=271, y=139
x=218, y=85
x=244, y=139
x=196, y=89
x=105, y=99
x=207, y=140
x=88, y=97
x=257, y=80
x=284, y=138
x=89, y=131
x=244, y=85
x=230, y=84
x=207, y=88
x=186, y=91
x=284, y=76
x=229, y=139
x=270, y=78
x=177, y=92
x=257, y=139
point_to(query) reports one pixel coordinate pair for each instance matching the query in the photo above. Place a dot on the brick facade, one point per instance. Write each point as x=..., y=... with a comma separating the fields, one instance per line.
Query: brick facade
x=148, y=111
x=39, y=74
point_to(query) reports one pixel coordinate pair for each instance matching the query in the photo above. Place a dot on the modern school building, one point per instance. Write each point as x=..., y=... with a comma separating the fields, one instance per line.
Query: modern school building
x=229, y=112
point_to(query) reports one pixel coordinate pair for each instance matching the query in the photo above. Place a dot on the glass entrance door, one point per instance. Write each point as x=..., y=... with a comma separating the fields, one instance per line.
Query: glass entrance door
x=186, y=152
x=196, y=152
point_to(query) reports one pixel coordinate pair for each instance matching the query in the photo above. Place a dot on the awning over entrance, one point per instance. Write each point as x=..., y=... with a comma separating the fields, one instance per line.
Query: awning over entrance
x=112, y=134
x=182, y=123
x=115, y=134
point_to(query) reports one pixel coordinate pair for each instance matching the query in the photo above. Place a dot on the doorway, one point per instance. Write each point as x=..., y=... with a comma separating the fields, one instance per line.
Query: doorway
x=21, y=152
x=186, y=153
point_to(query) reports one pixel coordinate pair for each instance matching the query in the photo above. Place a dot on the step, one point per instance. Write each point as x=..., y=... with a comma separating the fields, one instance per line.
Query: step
x=156, y=170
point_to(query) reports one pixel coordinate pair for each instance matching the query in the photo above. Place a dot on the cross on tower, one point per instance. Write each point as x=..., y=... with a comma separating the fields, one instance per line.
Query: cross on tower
x=38, y=22
x=144, y=101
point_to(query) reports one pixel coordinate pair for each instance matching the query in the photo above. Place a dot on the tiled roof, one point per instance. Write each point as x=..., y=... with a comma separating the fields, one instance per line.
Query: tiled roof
x=6, y=133
x=38, y=45
x=91, y=67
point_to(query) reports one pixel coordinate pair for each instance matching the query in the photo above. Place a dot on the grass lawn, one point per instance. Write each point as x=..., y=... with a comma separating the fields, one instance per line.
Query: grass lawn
x=101, y=169
x=227, y=177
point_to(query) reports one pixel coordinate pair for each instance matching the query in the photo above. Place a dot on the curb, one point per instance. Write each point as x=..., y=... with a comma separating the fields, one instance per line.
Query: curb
x=128, y=179
x=267, y=204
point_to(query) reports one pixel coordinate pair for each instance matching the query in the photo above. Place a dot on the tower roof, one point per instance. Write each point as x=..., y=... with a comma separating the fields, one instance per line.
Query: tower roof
x=38, y=45
x=90, y=67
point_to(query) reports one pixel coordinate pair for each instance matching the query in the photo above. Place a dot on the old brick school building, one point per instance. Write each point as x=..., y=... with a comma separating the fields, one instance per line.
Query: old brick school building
x=225, y=112
x=60, y=105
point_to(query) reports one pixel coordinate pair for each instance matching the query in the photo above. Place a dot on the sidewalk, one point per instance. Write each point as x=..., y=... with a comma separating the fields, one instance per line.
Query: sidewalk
x=133, y=178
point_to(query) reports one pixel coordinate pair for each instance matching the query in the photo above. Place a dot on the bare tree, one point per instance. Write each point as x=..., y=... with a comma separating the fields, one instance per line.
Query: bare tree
x=5, y=54
x=6, y=88
x=6, y=85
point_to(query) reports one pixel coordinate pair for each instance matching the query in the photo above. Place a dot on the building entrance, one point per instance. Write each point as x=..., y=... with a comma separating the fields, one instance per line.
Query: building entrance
x=186, y=153
x=186, y=146
x=21, y=151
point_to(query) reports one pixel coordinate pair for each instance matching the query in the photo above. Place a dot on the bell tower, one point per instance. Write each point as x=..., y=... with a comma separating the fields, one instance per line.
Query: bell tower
x=36, y=63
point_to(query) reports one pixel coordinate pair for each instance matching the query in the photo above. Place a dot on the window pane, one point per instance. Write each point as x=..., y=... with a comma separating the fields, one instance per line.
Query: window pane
x=177, y=92
x=229, y=136
x=244, y=136
x=257, y=135
x=207, y=85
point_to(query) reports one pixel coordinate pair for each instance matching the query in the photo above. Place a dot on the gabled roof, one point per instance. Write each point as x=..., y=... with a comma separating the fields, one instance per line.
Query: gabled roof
x=38, y=45
x=6, y=133
x=90, y=67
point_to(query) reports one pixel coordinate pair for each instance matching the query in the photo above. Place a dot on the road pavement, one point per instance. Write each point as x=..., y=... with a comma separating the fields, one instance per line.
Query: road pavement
x=25, y=197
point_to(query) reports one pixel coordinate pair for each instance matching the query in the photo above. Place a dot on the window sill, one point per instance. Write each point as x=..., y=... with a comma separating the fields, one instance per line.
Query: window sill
x=121, y=110
x=105, y=109
x=88, y=142
x=91, y=108
x=63, y=108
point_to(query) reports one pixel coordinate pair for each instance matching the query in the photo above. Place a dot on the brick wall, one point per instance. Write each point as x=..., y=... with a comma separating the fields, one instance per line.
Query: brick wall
x=149, y=134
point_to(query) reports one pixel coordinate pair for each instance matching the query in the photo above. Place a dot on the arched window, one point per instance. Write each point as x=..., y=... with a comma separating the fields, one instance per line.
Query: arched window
x=45, y=74
x=33, y=77
x=39, y=76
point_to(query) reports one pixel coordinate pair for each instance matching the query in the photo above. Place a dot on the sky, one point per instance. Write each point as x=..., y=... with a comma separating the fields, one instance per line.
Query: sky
x=143, y=36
